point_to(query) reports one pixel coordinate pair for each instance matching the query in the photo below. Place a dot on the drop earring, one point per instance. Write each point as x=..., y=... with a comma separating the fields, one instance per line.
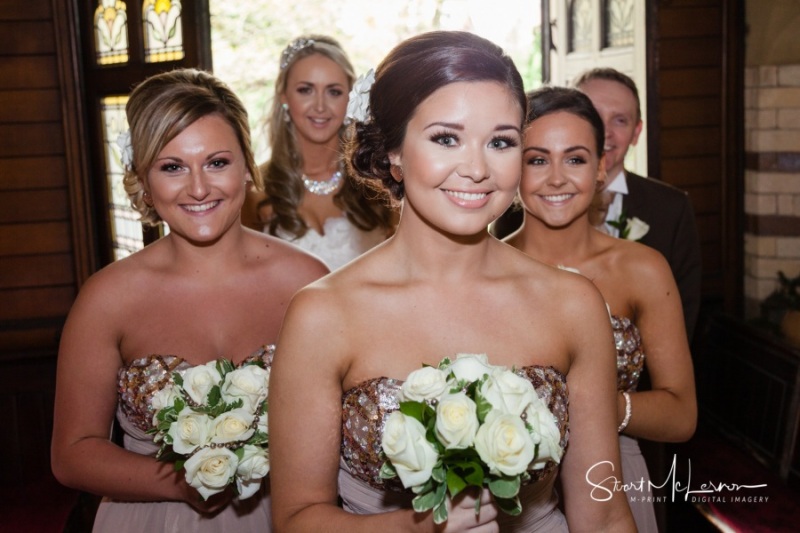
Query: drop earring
x=286, y=116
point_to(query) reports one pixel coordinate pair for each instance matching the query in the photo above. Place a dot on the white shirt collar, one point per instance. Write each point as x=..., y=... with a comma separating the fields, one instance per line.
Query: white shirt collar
x=618, y=184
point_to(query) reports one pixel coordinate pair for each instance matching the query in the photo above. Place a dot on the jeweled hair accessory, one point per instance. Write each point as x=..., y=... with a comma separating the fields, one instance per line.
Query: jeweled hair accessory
x=358, y=104
x=125, y=149
x=290, y=51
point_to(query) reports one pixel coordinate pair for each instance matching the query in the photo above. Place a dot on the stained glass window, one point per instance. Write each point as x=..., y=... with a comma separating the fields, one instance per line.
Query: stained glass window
x=618, y=30
x=580, y=25
x=163, y=37
x=126, y=230
x=111, y=32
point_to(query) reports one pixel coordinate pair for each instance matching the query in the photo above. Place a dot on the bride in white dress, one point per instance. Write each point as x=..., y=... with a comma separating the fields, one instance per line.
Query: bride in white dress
x=308, y=198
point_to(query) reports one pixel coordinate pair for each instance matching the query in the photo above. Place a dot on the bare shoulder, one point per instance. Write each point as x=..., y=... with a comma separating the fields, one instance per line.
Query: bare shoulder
x=637, y=261
x=563, y=291
x=271, y=253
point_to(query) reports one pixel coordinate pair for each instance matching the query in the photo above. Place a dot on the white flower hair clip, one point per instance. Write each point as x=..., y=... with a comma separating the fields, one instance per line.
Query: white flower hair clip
x=294, y=47
x=126, y=149
x=358, y=105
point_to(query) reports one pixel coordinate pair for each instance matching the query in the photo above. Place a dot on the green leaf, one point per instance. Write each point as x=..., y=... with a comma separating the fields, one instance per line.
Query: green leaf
x=504, y=487
x=455, y=483
x=424, y=501
x=177, y=379
x=473, y=473
x=440, y=513
x=415, y=410
x=438, y=473
x=387, y=471
x=425, y=487
x=483, y=406
x=214, y=396
x=509, y=506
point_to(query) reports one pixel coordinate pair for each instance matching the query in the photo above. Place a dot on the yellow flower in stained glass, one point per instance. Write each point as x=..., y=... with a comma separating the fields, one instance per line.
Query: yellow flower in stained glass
x=162, y=24
x=110, y=25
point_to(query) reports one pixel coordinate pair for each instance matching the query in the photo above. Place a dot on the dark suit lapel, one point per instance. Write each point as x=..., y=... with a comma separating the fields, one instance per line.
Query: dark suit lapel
x=633, y=203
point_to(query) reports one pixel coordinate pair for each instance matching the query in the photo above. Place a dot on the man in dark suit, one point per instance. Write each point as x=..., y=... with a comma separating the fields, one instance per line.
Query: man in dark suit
x=666, y=209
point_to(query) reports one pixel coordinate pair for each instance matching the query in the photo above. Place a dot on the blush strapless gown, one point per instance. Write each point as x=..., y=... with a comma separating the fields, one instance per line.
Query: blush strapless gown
x=630, y=362
x=364, y=410
x=137, y=383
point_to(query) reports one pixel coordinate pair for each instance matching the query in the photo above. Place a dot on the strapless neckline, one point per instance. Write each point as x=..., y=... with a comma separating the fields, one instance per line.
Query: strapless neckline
x=139, y=380
x=364, y=382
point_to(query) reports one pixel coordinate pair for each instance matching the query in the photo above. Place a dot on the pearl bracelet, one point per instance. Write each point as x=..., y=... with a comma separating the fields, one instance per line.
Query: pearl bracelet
x=627, y=418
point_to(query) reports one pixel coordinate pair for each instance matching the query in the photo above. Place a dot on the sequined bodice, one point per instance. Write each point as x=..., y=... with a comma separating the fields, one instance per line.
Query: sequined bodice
x=630, y=357
x=366, y=406
x=139, y=380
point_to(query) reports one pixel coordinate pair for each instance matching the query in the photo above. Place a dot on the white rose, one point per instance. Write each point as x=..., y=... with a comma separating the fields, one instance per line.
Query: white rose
x=198, y=381
x=253, y=467
x=456, y=421
x=471, y=366
x=164, y=398
x=358, y=102
x=545, y=433
x=636, y=228
x=250, y=383
x=426, y=383
x=210, y=470
x=504, y=444
x=404, y=443
x=189, y=431
x=508, y=392
x=232, y=426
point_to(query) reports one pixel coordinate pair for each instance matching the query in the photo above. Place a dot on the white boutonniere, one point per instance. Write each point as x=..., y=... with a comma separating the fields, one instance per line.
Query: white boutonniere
x=358, y=104
x=630, y=228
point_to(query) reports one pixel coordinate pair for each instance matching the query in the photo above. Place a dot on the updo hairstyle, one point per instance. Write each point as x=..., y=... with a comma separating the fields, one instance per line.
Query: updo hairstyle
x=413, y=70
x=164, y=105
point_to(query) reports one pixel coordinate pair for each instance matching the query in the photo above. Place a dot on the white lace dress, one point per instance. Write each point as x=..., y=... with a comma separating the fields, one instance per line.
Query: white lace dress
x=340, y=243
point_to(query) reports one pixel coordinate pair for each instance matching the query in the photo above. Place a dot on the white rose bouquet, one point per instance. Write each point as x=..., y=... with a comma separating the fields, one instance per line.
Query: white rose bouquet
x=212, y=422
x=466, y=423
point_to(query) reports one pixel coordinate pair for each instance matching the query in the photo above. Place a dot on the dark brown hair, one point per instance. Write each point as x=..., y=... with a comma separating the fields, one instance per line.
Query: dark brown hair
x=413, y=70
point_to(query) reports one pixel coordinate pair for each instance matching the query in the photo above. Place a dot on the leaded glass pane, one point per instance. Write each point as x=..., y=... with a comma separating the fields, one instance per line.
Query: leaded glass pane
x=580, y=26
x=618, y=29
x=163, y=36
x=126, y=229
x=111, y=32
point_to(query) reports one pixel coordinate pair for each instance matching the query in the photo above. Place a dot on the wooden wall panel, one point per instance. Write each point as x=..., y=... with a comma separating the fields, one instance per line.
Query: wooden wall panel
x=41, y=172
x=27, y=37
x=28, y=239
x=34, y=205
x=31, y=139
x=28, y=72
x=28, y=304
x=32, y=105
x=685, y=172
x=698, y=62
x=25, y=10
x=33, y=270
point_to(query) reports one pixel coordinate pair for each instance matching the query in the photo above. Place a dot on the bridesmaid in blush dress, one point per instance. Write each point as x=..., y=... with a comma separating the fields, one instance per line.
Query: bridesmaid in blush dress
x=562, y=168
x=442, y=133
x=211, y=288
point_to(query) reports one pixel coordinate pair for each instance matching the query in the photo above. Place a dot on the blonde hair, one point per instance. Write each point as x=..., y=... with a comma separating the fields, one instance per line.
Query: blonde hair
x=282, y=174
x=164, y=105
